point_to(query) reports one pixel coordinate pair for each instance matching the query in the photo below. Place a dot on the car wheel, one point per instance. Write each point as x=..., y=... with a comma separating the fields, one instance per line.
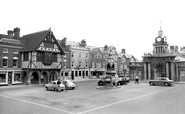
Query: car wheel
x=47, y=88
x=151, y=83
x=166, y=84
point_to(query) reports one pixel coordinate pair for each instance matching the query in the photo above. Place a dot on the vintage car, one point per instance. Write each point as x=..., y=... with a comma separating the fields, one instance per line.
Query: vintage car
x=162, y=81
x=116, y=81
x=53, y=86
x=69, y=84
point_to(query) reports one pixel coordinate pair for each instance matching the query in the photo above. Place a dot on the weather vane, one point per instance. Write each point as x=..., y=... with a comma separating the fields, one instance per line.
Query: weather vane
x=160, y=24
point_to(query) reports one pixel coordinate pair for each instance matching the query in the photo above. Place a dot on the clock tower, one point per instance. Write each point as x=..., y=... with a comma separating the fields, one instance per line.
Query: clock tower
x=160, y=45
x=160, y=63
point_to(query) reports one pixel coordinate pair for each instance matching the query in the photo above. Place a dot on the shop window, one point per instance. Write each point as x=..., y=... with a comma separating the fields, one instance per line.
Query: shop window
x=79, y=73
x=5, y=62
x=2, y=78
x=17, y=77
x=76, y=73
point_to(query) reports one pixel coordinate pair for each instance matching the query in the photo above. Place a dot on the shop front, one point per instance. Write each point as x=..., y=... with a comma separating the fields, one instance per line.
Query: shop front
x=10, y=77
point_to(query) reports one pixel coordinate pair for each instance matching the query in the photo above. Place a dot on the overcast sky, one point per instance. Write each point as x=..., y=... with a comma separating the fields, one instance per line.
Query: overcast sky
x=129, y=24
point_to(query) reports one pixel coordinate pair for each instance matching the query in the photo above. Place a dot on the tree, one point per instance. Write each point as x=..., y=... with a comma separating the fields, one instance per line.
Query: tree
x=83, y=43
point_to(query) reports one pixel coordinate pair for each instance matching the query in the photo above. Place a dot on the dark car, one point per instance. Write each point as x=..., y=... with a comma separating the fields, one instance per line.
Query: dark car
x=162, y=81
x=116, y=81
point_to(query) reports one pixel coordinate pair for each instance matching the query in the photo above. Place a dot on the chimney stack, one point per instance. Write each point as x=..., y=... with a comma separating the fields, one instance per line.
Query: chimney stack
x=123, y=51
x=10, y=33
x=17, y=32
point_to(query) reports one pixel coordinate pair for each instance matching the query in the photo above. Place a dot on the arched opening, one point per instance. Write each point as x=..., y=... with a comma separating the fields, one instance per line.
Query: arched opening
x=160, y=70
x=53, y=76
x=44, y=78
x=34, y=78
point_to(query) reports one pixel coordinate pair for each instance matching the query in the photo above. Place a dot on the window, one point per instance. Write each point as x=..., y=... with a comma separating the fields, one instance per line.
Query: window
x=17, y=77
x=86, y=73
x=76, y=73
x=26, y=56
x=2, y=78
x=72, y=63
x=72, y=54
x=86, y=64
x=15, y=51
x=5, y=50
x=80, y=64
x=93, y=64
x=5, y=62
x=79, y=73
x=93, y=56
x=15, y=62
x=46, y=57
x=86, y=55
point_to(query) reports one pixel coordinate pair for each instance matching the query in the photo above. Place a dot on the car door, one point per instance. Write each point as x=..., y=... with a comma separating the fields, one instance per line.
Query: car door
x=54, y=85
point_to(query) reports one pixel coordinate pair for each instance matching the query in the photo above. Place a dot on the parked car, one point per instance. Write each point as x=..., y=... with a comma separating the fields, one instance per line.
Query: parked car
x=69, y=84
x=162, y=81
x=53, y=86
x=106, y=81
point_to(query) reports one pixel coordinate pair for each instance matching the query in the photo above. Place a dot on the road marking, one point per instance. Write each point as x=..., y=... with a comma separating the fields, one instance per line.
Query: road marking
x=37, y=104
x=121, y=101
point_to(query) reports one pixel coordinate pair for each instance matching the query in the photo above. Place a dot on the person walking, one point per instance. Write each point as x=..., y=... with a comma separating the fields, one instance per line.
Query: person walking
x=136, y=80
x=58, y=84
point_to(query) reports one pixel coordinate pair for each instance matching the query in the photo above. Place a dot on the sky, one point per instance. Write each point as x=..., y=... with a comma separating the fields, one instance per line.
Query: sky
x=129, y=24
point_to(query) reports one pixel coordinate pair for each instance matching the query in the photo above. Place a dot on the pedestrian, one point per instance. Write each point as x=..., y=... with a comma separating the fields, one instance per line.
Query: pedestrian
x=136, y=80
x=58, y=85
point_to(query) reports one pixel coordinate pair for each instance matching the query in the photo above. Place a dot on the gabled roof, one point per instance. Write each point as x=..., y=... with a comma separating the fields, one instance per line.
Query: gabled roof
x=121, y=55
x=130, y=56
x=33, y=40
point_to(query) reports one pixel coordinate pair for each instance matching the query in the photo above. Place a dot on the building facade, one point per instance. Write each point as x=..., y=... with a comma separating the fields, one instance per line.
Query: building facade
x=10, y=59
x=79, y=61
x=162, y=62
x=97, y=63
x=41, y=57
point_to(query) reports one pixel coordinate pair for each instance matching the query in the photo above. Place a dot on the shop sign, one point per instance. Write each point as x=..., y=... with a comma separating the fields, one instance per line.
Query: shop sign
x=48, y=49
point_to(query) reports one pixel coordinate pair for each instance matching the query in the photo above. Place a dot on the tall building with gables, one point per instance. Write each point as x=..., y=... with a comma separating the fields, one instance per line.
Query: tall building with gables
x=97, y=63
x=41, y=57
x=10, y=59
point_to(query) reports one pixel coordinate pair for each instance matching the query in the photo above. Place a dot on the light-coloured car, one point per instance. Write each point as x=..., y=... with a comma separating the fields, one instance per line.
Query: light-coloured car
x=53, y=86
x=162, y=81
x=69, y=84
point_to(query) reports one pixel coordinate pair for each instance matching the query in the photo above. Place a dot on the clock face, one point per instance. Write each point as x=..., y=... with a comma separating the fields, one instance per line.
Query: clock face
x=158, y=39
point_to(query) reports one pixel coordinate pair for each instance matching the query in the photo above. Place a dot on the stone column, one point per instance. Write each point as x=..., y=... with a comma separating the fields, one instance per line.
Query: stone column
x=154, y=74
x=167, y=70
x=172, y=71
x=144, y=71
x=149, y=71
